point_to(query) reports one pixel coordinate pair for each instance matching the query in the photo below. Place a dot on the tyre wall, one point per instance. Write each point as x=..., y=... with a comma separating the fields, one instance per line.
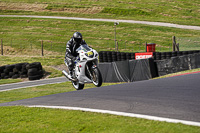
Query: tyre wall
x=110, y=56
x=32, y=71
x=177, y=64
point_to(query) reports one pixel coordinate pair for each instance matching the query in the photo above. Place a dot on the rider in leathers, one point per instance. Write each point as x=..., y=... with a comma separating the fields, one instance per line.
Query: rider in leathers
x=75, y=42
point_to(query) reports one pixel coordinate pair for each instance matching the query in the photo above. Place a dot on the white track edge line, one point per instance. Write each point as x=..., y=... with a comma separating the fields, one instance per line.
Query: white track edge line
x=31, y=86
x=122, y=114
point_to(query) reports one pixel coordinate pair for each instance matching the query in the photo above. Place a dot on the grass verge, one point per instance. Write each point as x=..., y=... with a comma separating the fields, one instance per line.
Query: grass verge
x=24, y=119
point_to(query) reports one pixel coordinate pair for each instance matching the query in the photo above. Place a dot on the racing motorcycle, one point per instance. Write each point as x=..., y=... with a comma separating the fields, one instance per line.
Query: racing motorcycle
x=86, y=68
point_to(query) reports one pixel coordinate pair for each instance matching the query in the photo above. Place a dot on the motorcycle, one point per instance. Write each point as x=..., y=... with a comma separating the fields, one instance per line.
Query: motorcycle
x=86, y=68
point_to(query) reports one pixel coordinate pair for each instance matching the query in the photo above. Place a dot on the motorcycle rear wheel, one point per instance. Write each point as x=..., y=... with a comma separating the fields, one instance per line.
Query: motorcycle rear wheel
x=97, y=78
x=77, y=85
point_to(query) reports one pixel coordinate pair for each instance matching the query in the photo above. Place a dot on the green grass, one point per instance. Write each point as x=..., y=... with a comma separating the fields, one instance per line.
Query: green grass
x=24, y=35
x=179, y=11
x=8, y=81
x=24, y=119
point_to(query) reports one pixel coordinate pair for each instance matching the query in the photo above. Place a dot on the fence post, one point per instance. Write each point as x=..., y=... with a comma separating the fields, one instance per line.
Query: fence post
x=42, y=48
x=174, y=43
x=1, y=46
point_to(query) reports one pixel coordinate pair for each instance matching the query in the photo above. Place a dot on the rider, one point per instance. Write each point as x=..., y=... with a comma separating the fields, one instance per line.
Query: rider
x=75, y=42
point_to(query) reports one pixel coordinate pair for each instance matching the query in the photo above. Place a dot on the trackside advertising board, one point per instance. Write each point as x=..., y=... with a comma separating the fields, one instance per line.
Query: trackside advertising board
x=143, y=55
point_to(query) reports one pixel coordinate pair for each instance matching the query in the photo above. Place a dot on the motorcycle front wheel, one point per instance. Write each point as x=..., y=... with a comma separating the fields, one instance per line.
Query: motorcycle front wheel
x=77, y=85
x=96, y=77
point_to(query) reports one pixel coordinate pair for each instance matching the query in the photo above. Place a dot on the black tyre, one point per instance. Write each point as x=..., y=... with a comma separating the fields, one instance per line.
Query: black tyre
x=179, y=53
x=185, y=52
x=132, y=55
x=19, y=66
x=24, y=76
x=97, y=78
x=11, y=74
x=10, y=67
x=174, y=54
x=40, y=72
x=6, y=77
x=118, y=56
x=77, y=85
x=34, y=65
x=33, y=70
x=36, y=77
x=3, y=75
x=6, y=71
x=15, y=70
x=163, y=55
x=15, y=76
x=2, y=68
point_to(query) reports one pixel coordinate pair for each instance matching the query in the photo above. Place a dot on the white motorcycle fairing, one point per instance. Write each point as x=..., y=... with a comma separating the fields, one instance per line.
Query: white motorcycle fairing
x=85, y=65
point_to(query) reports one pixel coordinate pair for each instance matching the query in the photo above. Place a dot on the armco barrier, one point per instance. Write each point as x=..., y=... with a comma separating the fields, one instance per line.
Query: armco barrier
x=128, y=71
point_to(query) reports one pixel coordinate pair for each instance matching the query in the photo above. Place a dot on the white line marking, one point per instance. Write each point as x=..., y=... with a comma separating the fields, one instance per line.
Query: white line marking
x=122, y=114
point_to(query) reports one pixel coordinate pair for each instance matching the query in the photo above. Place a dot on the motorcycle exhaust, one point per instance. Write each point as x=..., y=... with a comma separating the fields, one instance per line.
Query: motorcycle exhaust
x=68, y=76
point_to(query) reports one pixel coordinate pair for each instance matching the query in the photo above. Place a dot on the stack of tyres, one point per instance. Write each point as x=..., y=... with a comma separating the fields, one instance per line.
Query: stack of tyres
x=101, y=56
x=13, y=71
x=174, y=54
x=132, y=55
x=20, y=71
x=35, y=71
x=190, y=52
x=114, y=56
x=2, y=72
x=157, y=56
x=123, y=56
x=109, y=56
x=7, y=72
x=196, y=51
x=105, y=58
x=118, y=56
x=179, y=53
x=185, y=52
x=168, y=55
x=163, y=55
x=128, y=56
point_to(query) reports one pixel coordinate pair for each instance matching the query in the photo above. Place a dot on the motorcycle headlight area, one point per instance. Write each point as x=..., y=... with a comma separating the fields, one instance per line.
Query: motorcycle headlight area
x=90, y=54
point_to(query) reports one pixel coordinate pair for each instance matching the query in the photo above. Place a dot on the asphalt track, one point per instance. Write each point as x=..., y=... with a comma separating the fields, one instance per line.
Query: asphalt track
x=174, y=97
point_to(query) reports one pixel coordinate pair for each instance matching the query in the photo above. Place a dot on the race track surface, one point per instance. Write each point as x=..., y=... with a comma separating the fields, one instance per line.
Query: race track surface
x=175, y=97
